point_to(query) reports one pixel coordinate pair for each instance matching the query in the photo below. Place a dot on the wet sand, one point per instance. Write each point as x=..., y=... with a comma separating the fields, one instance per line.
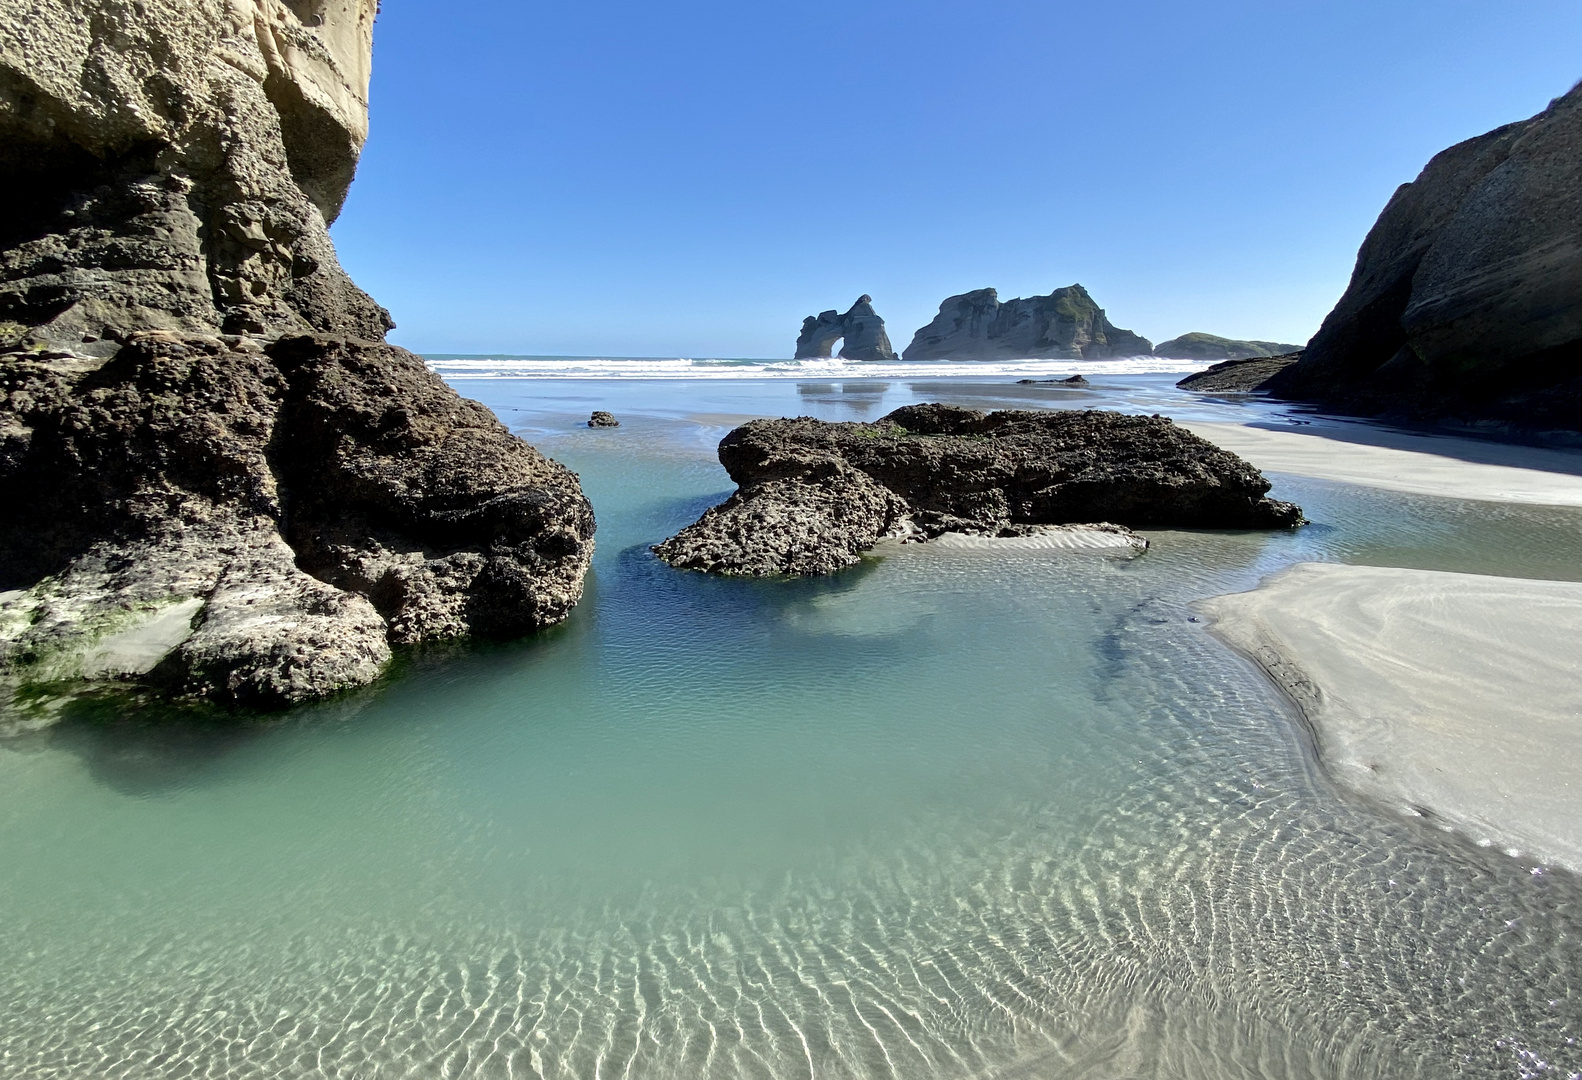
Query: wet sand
x=1399, y=461
x=1457, y=697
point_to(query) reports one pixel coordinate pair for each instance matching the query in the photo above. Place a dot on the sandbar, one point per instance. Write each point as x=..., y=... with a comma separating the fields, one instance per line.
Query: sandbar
x=1401, y=461
x=1456, y=697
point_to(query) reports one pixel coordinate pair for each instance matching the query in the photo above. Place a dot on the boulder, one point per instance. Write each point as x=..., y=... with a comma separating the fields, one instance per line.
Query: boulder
x=600, y=418
x=812, y=495
x=1197, y=346
x=860, y=331
x=1065, y=325
x=307, y=505
x=1466, y=299
x=1239, y=376
x=220, y=482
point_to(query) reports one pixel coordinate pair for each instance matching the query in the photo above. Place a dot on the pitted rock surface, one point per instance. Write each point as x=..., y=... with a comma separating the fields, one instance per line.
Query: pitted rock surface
x=223, y=484
x=813, y=495
x=321, y=498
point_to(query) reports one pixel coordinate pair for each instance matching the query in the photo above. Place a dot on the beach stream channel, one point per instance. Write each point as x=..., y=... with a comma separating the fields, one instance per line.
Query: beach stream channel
x=960, y=811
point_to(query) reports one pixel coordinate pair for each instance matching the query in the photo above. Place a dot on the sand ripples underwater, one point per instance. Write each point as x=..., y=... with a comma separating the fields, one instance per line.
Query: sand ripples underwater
x=963, y=814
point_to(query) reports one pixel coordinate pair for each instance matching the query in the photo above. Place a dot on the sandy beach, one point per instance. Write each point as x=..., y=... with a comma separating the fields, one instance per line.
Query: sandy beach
x=1399, y=461
x=1453, y=696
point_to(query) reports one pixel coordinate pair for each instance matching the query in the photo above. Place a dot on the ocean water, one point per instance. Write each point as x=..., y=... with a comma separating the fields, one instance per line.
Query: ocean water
x=952, y=813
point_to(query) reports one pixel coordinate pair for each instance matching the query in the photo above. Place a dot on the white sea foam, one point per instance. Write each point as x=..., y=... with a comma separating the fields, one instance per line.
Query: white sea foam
x=619, y=367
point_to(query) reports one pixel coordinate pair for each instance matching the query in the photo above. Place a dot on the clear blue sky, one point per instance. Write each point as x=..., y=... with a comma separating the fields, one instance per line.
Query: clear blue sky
x=692, y=178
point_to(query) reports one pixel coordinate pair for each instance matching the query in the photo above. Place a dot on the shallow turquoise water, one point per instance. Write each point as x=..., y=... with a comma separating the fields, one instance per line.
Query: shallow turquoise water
x=951, y=814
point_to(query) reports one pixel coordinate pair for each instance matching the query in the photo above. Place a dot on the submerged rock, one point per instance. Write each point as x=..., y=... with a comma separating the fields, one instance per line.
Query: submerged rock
x=812, y=496
x=1065, y=325
x=860, y=331
x=1198, y=346
x=1238, y=376
x=600, y=418
x=1466, y=300
x=221, y=483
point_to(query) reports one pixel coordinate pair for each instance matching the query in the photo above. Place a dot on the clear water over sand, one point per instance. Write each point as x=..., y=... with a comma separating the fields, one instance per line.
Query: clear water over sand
x=953, y=813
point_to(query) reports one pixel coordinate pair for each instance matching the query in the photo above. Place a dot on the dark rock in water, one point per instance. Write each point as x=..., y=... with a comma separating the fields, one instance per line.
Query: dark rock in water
x=1212, y=347
x=1466, y=300
x=222, y=484
x=1239, y=376
x=301, y=507
x=860, y=330
x=600, y=418
x=1076, y=382
x=813, y=495
x=1065, y=325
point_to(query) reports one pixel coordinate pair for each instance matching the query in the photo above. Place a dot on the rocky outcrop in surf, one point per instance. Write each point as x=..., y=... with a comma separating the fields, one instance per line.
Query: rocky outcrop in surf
x=223, y=484
x=812, y=496
x=1199, y=346
x=1065, y=325
x=1239, y=376
x=860, y=331
x=1466, y=300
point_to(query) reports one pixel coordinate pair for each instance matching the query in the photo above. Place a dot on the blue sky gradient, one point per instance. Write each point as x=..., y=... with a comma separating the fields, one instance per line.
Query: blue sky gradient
x=691, y=179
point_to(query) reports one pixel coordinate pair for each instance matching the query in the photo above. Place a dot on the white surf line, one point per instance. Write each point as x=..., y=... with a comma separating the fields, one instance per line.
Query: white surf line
x=1418, y=464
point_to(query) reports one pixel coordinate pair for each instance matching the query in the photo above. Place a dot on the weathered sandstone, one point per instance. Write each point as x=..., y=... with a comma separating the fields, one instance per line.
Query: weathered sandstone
x=812, y=496
x=219, y=482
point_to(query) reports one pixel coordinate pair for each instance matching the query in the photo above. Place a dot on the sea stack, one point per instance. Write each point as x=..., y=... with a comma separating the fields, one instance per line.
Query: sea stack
x=1466, y=300
x=1065, y=325
x=222, y=483
x=860, y=331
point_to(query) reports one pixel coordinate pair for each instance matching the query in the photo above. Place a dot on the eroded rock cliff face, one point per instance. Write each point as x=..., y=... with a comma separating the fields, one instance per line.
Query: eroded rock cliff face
x=1065, y=325
x=812, y=496
x=174, y=165
x=860, y=331
x=219, y=482
x=1466, y=300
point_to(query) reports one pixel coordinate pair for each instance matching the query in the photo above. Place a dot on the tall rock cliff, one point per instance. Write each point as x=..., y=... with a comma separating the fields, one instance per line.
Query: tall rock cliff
x=220, y=483
x=1065, y=325
x=1466, y=300
x=860, y=331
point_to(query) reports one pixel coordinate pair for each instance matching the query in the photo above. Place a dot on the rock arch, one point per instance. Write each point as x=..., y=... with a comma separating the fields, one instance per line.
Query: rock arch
x=861, y=329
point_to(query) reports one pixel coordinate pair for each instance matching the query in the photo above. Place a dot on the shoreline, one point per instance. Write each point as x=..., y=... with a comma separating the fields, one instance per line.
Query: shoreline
x=1452, y=697
x=1442, y=466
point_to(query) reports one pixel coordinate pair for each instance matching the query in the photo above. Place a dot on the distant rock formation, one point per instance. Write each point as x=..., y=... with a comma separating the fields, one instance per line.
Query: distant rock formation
x=1199, y=346
x=600, y=418
x=1239, y=376
x=220, y=483
x=1065, y=325
x=1466, y=300
x=1073, y=382
x=813, y=495
x=860, y=330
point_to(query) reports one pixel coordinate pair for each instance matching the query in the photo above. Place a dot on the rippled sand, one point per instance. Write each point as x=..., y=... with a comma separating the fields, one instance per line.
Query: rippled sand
x=956, y=813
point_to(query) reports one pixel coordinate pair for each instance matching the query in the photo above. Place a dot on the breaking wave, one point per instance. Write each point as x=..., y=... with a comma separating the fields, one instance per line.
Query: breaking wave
x=457, y=366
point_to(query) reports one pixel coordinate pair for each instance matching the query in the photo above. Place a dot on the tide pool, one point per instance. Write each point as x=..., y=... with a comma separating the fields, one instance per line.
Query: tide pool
x=953, y=813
